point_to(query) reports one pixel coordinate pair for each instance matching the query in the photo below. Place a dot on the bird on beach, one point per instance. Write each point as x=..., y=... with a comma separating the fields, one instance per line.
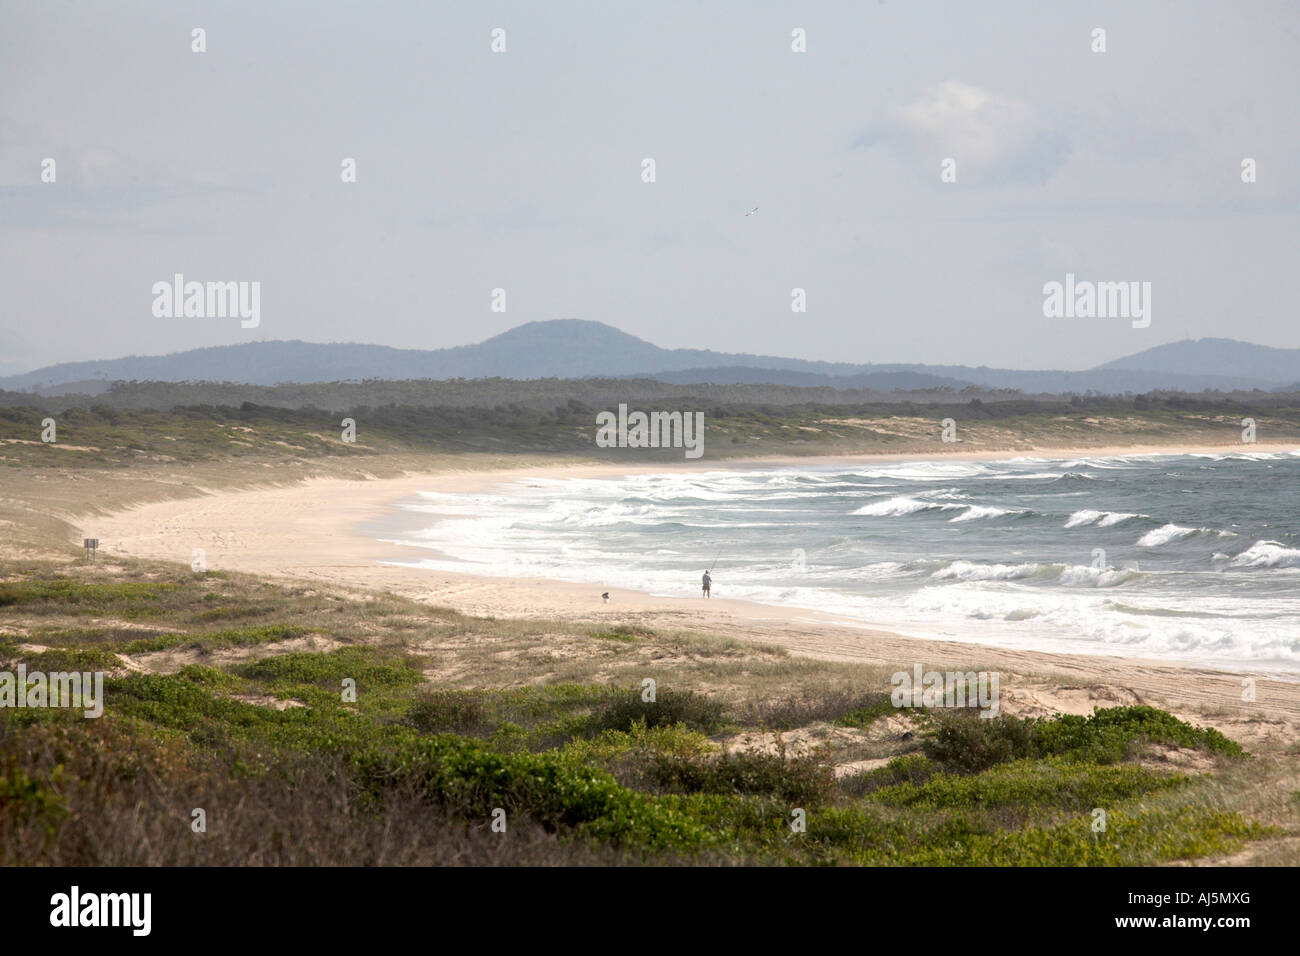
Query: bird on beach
x=751, y=212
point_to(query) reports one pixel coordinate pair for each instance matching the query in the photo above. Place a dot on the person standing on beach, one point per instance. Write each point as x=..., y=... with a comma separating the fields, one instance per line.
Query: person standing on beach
x=708, y=582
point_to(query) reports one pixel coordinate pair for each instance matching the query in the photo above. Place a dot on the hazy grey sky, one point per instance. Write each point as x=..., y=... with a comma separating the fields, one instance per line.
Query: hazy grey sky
x=522, y=170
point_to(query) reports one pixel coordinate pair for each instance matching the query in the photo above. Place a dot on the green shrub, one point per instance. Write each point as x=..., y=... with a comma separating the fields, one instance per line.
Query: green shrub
x=210, y=677
x=871, y=710
x=61, y=595
x=473, y=781
x=1137, y=838
x=239, y=637
x=913, y=769
x=669, y=707
x=327, y=670
x=72, y=659
x=1032, y=784
x=1109, y=735
x=154, y=642
x=25, y=799
x=802, y=781
x=440, y=711
x=966, y=743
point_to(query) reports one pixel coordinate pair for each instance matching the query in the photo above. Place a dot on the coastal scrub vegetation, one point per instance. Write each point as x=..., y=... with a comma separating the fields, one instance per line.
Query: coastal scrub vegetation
x=745, y=754
x=171, y=426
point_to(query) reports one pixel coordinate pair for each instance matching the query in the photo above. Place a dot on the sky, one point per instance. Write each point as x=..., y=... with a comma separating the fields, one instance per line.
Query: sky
x=523, y=170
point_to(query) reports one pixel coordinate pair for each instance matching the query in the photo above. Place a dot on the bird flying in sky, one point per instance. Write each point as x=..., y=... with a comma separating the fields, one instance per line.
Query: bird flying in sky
x=752, y=211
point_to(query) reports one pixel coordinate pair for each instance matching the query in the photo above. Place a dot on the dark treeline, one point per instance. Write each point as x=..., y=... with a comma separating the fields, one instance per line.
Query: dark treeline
x=415, y=418
x=545, y=393
x=473, y=423
x=549, y=394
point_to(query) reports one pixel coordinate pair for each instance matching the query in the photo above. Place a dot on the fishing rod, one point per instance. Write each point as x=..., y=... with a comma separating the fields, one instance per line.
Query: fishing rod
x=715, y=561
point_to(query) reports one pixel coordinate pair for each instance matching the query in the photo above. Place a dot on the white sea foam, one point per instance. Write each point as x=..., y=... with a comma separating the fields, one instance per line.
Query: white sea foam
x=1267, y=554
x=1081, y=518
x=1102, y=519
x=1115, y=517
x=970, y=571
x=897, y=507
x=1163, y=535
x=1172, y=532
x=1085, y=575
x=975, y=512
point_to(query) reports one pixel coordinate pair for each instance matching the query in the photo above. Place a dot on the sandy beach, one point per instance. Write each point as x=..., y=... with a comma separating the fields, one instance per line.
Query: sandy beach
x=669, y=442
x=310, y=531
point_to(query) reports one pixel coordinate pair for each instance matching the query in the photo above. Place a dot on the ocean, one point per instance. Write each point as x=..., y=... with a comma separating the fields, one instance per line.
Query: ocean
x=1189, y=558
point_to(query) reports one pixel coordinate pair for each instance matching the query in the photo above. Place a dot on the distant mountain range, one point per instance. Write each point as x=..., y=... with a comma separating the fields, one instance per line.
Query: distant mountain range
x=574, y=348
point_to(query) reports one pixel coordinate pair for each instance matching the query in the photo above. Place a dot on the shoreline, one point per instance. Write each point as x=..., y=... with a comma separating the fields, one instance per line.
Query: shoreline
x=309, y=531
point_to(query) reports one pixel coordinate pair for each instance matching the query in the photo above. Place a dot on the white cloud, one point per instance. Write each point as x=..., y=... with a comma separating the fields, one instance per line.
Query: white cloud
x=995, y=140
